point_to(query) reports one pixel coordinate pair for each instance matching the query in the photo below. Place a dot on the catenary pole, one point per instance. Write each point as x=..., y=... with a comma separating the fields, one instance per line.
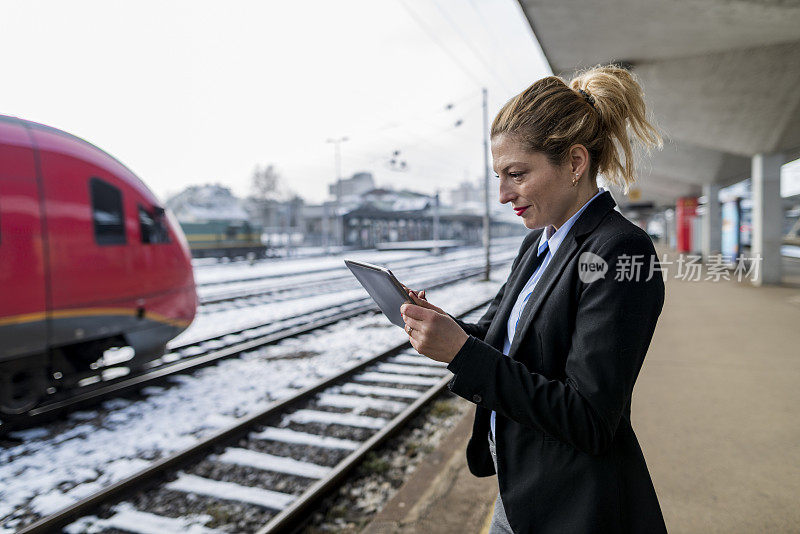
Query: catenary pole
x=486, y=219
x=338, y=217
x=436, y=224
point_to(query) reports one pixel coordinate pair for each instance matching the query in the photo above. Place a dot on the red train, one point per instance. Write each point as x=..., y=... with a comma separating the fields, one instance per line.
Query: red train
x=89, y=261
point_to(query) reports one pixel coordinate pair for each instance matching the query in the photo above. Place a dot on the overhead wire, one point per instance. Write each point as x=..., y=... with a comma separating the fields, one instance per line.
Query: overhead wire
x=429, y=142
x=469, y=44
x=421, y=23
x=425, y=150
x=490, y=36
x=424, y=142
x=390, y=124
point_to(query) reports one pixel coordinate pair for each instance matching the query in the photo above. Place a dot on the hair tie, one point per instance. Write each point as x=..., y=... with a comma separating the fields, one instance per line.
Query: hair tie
x=589, y=98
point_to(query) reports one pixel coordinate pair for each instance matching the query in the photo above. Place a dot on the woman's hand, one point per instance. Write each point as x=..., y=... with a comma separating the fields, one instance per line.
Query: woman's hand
x=418, y=296
x=431, y=331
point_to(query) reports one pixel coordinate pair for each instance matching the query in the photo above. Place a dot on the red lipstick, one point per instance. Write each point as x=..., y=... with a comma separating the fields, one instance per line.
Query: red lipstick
x=520, y=211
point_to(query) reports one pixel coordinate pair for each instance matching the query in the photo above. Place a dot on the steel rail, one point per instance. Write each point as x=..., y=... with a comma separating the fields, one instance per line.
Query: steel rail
x=119, y=386
x=311, y=271
x=431, y=283
x=291, y=516
x=205, y=447
x=247, y=293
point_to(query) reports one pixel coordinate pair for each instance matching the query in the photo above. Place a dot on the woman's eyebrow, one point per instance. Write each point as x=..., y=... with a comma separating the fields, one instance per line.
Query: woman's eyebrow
x=510, y=165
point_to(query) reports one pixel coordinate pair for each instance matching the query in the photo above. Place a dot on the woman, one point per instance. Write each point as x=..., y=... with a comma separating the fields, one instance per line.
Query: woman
x=552, y=363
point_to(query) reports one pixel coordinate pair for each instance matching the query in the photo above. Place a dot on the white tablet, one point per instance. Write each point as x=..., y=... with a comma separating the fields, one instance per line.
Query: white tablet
x=383, y=287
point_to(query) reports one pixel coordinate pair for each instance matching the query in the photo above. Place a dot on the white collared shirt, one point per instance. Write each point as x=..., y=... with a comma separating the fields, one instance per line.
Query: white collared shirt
x=550, y=240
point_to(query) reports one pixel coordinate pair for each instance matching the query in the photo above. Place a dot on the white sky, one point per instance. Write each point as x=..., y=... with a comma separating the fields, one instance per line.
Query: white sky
x=200, y=91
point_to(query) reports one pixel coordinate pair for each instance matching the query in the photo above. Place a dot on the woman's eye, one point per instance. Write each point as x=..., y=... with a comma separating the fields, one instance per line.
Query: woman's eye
x=515, y=175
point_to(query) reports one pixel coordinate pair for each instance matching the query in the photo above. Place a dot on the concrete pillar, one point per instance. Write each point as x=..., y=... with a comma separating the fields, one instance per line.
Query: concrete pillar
x=671, y=233
x=767, y=217
x=712, y=222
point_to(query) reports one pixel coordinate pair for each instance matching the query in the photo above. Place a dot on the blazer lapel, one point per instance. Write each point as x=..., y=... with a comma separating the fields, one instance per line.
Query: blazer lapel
x=495, y=336
x=583, y=226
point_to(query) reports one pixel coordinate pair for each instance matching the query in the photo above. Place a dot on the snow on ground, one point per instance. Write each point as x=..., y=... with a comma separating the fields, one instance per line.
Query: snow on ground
x=130, y=519
x=209, y=324
x=206, y=325
x=48, y=472
x=241, y=270
x=251, y=286
x=337, y=271
x=223, y=272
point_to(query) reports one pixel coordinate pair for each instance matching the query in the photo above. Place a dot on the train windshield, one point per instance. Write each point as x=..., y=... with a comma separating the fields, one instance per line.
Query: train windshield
x=152, y=226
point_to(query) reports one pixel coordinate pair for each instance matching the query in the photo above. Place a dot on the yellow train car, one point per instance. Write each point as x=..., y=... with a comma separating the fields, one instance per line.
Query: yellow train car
x=224, y=239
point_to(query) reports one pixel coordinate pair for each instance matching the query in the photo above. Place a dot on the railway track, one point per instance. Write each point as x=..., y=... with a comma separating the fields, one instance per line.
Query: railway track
x=273, y=467
x=199, y=353
x=339, y=281
x=309, y=283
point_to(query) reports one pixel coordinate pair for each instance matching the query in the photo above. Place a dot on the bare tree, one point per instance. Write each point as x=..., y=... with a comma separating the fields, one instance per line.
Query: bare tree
x=266, y=183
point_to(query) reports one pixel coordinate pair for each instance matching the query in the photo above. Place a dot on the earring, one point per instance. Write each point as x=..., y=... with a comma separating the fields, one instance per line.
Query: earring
x=575, y=180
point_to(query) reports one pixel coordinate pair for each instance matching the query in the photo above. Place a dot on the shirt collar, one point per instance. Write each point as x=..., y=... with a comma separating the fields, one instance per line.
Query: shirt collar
x=552, y=238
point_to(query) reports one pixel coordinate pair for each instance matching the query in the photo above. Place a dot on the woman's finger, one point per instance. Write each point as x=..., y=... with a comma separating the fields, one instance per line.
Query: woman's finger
x=413, y=323
x=415, y=299
x=420, y=294
x=418, y=311
x=422, y=303
x=415, y=337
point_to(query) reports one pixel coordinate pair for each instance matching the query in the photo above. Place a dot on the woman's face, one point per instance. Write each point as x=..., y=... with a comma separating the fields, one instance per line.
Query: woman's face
x=539, y=192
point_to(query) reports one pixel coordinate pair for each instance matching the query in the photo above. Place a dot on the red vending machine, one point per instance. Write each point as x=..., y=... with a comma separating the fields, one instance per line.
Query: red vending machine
x=685, y=211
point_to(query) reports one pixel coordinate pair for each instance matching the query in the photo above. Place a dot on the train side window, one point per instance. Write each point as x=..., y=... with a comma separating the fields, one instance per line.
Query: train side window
x=109, y=219
x=152, y=225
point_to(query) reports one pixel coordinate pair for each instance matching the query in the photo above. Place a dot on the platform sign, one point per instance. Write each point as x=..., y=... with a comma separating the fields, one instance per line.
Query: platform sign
x=730, y=231
x=685, y=211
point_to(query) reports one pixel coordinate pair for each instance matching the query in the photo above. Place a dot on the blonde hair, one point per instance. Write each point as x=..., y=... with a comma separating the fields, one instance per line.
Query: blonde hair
x=598, y=109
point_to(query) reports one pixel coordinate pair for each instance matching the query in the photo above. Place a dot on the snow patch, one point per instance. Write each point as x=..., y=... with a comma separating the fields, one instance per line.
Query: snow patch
x=230, y=492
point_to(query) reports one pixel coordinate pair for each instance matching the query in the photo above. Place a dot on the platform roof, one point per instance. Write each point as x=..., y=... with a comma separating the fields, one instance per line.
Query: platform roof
x=722, y=77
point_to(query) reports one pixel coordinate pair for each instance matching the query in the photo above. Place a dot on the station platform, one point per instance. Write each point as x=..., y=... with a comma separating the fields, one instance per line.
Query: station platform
x=715, y=410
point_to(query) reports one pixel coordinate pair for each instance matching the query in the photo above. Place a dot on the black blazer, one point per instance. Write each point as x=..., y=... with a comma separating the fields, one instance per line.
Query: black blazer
x=568, y=460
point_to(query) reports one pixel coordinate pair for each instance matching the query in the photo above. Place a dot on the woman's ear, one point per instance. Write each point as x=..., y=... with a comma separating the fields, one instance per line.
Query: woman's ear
x=578, y=159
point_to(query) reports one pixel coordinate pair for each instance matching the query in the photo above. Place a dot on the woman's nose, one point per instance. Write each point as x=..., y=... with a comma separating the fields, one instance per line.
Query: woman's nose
x=506, y=194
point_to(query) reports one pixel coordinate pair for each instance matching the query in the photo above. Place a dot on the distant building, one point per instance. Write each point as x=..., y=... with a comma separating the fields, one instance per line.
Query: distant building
x=367, y=226
x=390, y=200
x=468, y=198
x=317, y=224
x=275, y=215
x=281, y=220
x=467, y=193
x=355, y=186
x=380, y=215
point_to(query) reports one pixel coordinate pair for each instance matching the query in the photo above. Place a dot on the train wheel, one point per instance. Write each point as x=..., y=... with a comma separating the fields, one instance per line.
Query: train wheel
x=21, y=388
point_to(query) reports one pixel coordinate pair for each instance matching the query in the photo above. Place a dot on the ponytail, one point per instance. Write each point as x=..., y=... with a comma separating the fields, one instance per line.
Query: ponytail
x=602, y=108
x=619, y=100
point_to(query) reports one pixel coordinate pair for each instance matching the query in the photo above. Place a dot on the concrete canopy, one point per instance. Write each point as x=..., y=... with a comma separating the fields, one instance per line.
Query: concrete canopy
x=681, y=169
x=721, y=77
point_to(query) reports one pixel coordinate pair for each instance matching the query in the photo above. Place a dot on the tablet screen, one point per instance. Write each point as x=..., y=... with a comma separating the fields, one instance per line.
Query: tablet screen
x=383, y=287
